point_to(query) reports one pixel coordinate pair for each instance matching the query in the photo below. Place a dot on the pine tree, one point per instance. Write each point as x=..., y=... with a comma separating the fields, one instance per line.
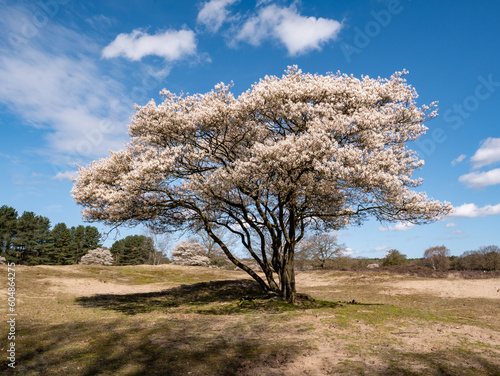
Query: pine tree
x=32, y=235
x=8, y=228
x=78, y=243
x=133, y=250
x=60, y=252
x=92, y=238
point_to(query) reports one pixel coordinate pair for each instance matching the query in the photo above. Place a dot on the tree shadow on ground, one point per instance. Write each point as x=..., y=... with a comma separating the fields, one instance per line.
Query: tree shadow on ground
x=450, y=362
x=90, y=348
x=215, y=298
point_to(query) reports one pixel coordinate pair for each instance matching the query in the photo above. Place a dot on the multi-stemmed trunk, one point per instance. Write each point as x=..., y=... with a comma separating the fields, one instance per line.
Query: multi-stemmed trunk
x=287, y=279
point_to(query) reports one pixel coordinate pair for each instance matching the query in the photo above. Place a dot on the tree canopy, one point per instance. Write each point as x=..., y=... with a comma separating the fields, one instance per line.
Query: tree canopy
x=296, y=152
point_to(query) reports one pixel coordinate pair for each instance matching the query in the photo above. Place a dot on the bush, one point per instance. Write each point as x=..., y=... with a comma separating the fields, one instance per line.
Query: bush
x=98, y=256
x=190, y=253
x=437, y=258
x=394, y=257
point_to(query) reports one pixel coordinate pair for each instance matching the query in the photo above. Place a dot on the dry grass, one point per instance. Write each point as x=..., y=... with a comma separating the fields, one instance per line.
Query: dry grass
x=171, y=320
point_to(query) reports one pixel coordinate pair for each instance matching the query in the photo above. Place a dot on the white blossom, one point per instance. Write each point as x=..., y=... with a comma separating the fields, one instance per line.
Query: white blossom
x=291, y=153
x=190, y=253
x=98, y=256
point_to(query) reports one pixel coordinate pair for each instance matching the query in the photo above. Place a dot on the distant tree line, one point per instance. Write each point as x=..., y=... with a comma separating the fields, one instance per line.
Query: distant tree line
x=322, y=251
x=28, y=239
x=485, y=258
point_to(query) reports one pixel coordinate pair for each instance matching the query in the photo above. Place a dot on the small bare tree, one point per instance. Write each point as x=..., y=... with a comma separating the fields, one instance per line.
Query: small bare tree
x=161, y=243
x=320, y=249
x=98, y=256
x=190, y=253
x=438, y=257
x=214, y=251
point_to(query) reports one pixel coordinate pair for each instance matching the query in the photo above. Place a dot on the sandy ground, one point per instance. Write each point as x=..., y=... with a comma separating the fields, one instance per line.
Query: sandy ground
x=446, y=288
x=88, y=286
x=465, y=288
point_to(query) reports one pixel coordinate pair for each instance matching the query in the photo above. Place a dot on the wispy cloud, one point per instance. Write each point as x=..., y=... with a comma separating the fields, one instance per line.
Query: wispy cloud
x=400, y=226
x=473, y=211
x=479, y=180
x=65, y=95
x=100, y=22
x=459, y=159
x=54, y=83
x=450, y=225
x=66, y=175
x=171, y=45
x=487, y=154
x=381, y=248
x=299, y=34
x=214, y=13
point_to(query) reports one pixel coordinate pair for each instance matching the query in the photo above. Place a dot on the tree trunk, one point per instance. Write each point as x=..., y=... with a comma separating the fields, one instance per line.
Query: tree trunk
x=288, y=283
x=287, y=278
x=269, y=276
x=234, y=260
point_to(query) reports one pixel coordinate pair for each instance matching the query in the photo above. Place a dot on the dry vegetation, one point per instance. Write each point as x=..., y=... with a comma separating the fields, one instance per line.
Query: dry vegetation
x=171, y=320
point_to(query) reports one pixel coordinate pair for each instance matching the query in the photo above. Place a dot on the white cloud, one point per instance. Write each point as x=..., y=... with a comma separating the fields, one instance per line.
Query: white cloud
x=478, y=180
x=381, y=248
x=488, y=153
x=298, y=33
x=68, y=96
x=214, y=13
x=400, y=226
x=473, y=211
x=171, y=45
x=53, y=83
x=450, y=225
x=66, y=175
x=459, y=159
x=349, y=251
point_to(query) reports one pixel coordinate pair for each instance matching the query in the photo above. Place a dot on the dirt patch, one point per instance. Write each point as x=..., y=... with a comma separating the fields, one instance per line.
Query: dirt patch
x=448, y=288
x=90, y=286
x=424, y=272
x=449, y=285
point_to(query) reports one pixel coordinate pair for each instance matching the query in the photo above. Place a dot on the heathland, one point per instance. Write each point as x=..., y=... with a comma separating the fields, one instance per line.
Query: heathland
x=181, y=320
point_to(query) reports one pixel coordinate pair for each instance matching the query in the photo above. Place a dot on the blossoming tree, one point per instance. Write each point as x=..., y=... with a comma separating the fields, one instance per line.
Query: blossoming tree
x=303, y=151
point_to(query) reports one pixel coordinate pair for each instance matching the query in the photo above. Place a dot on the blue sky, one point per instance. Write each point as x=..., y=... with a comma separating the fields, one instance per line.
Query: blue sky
x=70, y=73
